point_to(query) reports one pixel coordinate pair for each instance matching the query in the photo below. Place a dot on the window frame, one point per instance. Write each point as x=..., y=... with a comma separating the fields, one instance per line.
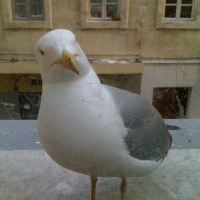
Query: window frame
x=178, y=11
x=91, y=23
x=29, y=16
x=166, y=23
x=10, y=23
x=104, y=10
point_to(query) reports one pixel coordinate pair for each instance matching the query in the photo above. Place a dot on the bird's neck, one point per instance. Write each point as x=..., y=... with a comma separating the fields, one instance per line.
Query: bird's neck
x=60, y=81
x=59, y=75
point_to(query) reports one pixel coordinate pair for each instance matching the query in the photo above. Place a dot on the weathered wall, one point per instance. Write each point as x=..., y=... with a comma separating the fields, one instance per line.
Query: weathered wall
x=173, y=75
x=142, y=37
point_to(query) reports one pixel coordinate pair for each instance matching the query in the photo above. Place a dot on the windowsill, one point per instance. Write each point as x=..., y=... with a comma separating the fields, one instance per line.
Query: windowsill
x=8, y=22
x=87, y=23
x=178, y=24
x=103, y=24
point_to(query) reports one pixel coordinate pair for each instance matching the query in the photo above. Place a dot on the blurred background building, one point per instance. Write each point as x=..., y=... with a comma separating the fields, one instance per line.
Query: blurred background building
x=151, y=48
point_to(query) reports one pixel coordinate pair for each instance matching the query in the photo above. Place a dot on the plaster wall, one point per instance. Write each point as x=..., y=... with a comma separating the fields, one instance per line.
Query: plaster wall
x=141, y=37
x=173, y=75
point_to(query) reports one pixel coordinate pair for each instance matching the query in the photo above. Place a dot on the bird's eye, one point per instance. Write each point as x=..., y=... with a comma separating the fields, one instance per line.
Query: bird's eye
x=42, y=52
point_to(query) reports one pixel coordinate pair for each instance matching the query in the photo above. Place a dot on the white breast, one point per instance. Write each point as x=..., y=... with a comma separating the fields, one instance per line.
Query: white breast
x=81, y=130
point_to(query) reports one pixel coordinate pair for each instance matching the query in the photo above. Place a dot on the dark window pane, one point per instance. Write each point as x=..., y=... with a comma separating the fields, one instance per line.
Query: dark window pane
x=186, y=1
x=20, y=11
x=171, y=103
x=96, y=11
x=170, y=11
x=34, y=10
x=112, y=1
x=19, y=1
x=186, y=11
x=171, y=1
x=112, y=10
x=40, y=9
x=29, y=104
x=9, y=102
x=129, y=82
x=95, y=1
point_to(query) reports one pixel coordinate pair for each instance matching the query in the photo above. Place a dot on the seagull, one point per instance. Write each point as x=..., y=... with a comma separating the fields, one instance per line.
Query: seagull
x=91, y=128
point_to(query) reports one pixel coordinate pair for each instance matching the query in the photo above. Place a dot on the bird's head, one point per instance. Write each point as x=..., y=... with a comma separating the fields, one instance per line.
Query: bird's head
x=60, y=57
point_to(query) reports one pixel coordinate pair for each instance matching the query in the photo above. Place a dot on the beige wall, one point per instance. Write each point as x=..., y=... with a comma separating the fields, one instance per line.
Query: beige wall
x=142, y=37
x=173, y=75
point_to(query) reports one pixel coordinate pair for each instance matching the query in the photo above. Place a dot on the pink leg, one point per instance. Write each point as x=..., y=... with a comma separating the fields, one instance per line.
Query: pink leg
x=93, y=186
x=123, y=188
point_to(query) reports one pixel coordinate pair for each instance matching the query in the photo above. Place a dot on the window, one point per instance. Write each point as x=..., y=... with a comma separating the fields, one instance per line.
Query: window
x=178, y=14
x=104, y=14
x=27, y=14
x=179, y=10
x=104, y=10
x=29, y=104
x=27, y=10
x=172, y=102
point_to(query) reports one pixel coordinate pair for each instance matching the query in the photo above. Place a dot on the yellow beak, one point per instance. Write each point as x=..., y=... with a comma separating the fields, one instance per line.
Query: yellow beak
x=68, y=61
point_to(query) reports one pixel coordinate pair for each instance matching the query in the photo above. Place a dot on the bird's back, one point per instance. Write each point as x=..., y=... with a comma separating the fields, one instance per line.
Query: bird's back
x=147, y=135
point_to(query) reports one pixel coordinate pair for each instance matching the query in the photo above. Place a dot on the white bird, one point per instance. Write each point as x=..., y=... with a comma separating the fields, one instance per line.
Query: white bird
x=89, y=127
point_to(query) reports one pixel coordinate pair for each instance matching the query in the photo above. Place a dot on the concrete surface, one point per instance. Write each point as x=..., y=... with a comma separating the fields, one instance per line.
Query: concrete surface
x=27, y=172
x=22, y=134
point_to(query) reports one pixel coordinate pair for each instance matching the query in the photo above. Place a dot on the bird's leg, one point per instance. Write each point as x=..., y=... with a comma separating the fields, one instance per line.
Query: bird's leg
x=123, y=188
x=93, y=186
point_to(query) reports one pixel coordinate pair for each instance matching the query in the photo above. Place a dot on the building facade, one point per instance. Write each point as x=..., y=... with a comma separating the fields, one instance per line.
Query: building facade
x=151, y=45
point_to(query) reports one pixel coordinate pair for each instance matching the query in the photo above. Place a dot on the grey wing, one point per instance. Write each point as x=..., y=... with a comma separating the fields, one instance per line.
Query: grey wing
x=147, y=135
